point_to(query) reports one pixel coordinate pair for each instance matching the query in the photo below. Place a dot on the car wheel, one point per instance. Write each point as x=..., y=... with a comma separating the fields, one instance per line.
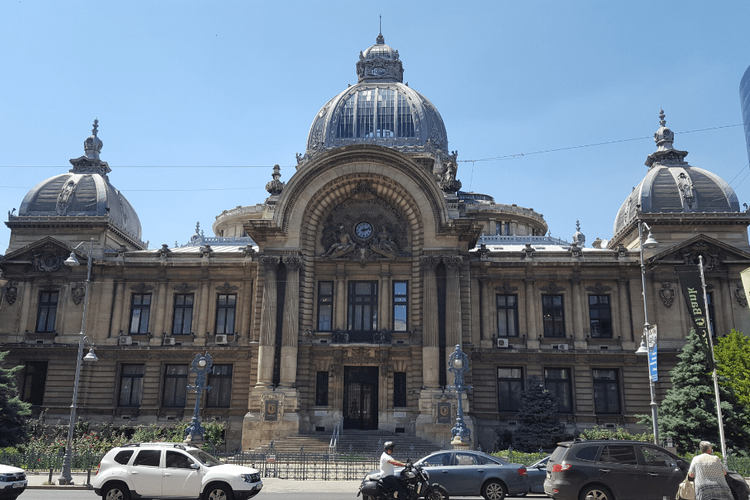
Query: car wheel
x=596, y=493
x=493, y=490
x=218, y=493
x=116, y=491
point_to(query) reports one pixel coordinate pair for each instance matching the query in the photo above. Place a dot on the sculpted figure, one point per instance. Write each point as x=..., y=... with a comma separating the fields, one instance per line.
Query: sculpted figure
x=342, y=247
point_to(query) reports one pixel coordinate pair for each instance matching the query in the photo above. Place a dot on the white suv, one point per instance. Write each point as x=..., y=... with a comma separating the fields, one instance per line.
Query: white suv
x=12, y=482
x=171, y=470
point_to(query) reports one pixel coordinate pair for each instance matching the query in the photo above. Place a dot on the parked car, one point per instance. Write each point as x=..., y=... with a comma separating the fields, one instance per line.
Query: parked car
x=613, y=470
x=473, y=473
x=12, y=482
x=171, y=470
x=537, y=473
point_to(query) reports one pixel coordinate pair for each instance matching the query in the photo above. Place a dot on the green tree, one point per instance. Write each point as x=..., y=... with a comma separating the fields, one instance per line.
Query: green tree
x=688, y=412
x=13, y=411
x=538, y=423
x=732, y=355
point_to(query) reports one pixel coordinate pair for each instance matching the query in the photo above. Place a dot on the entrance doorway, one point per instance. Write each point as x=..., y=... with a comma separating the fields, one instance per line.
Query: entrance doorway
x=361, y=397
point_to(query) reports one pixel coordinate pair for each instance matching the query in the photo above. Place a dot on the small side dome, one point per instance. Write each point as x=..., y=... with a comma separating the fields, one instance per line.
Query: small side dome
x=673, y=186
x=83, y=191
x=380, y=109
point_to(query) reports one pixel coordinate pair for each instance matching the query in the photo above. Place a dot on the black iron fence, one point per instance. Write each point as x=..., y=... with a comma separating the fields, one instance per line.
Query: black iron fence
x=300, y=465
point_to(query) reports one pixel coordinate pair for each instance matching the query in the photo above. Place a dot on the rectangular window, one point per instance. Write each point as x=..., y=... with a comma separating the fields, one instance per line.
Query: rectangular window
x=507, y=315
x=175, y=385
x=600, y=315
x=131, y=385
x=363, y=306
x=182, y=321
x=553, y=315
x=557, y=382
x=220, y=380
x=34, y=381
x=226, y=307
x=47, y=312
x=400, y=306
x=399, y=389
x=140, y=310
x=325, y=306
x=606, y=391
x=711, y=314
x=321, y=389
x=509, y=388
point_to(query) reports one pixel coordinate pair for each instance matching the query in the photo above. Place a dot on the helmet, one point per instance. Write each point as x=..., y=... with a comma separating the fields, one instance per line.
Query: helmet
x=388, y=446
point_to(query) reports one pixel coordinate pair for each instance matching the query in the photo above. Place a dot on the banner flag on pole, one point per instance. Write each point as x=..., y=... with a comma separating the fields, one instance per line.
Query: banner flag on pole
x=690, y=283
x=745, y=277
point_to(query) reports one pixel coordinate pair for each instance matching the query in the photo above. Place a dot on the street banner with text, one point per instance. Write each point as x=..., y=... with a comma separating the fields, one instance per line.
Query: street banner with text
x=690, y=283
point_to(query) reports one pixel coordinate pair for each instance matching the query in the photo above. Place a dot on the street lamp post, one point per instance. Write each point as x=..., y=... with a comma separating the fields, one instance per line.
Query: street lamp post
x=649, y=349
x=201, y=367
x=72, y=261
x=458, y=363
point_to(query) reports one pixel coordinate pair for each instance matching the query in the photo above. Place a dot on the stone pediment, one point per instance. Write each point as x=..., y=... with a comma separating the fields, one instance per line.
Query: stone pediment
x=716, y=254
x=45, y=255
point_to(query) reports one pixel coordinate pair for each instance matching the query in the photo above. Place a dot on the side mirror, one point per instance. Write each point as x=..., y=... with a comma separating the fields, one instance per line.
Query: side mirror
x=195, y=466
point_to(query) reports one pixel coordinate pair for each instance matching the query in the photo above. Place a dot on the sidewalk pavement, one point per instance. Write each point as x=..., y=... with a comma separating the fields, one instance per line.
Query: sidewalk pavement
x=270, y=484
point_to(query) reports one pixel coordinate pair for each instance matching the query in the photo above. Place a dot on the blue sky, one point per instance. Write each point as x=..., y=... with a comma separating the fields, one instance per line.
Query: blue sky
x=197, y=100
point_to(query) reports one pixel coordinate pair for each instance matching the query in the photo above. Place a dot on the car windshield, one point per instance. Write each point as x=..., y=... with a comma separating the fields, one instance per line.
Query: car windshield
x=204, y=458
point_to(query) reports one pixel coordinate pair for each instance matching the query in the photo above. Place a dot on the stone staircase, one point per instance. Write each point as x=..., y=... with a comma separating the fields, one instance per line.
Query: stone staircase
x=353, y=441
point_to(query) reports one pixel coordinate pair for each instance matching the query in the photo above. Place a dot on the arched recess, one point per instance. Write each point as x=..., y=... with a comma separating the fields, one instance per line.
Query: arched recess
x=338, y=191
x=307, y=182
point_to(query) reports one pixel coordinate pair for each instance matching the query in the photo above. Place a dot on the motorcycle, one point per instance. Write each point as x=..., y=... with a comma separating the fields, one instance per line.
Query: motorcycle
x=414, y=479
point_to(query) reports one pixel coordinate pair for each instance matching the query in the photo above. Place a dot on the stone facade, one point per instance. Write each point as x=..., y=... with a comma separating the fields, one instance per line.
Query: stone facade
x=340, y=298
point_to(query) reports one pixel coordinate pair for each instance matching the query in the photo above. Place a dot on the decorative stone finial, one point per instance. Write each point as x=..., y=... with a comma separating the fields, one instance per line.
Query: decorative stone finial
x=275, y=187
x=93, y=145
x=380, y=40
x=665, y=154
x=579, y=238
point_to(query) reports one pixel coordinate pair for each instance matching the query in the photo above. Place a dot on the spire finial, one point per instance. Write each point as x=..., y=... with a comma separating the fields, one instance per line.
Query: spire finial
x=380, y=40
x=95, y=130
x=662, y=121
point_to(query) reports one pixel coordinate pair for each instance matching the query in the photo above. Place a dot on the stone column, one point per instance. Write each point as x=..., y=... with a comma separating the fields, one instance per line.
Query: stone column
x=579, y=335
x=486, y=307
x=266, y=348
x=116, y=306
x=159, y=308
x=430, y=344
x=339, y=299
x=452, y=303
x=385, y=311
x=290, y=328
x=532, y=332
x=26, y=318
x=244, y=326
x=626, y=332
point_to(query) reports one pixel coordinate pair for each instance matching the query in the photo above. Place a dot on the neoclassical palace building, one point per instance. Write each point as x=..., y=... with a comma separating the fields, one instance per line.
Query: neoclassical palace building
x=338, y=299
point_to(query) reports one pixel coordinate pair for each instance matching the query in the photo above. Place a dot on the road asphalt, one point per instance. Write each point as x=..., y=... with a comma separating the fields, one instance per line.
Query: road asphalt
x=270, y=484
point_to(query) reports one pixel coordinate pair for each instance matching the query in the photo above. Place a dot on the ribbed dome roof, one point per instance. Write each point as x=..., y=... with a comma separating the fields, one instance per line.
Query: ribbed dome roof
x=83, y=191
x=380, y=109
x=673, y=186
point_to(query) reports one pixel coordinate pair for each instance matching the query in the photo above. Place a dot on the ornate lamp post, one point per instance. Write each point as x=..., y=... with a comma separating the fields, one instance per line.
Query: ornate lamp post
x=201, y=367
x=72, y=261
x=649, y=331
x=458, y=364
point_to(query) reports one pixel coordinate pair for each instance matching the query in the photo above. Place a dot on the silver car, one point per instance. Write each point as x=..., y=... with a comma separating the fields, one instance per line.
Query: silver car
x=473, y=473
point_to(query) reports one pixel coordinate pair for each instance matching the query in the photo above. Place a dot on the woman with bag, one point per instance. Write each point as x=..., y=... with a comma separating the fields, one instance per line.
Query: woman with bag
x=709, y=473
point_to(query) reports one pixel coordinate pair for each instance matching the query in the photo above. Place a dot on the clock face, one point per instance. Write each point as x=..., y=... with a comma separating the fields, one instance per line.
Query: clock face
x=377, y=71
x=363, y=229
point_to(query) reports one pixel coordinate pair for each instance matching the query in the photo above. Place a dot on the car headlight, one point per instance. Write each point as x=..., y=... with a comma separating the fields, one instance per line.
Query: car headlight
x=250, y=478
x=4, y=478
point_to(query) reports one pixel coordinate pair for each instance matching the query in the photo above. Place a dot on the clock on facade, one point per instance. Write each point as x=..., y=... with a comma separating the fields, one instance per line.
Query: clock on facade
x=363, y=229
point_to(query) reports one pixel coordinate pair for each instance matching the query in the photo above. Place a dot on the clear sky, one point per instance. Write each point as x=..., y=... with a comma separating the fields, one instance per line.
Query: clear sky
x=197, y=100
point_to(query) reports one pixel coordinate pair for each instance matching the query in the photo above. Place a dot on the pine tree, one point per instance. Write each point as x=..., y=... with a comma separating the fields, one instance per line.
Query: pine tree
x=538, y=425
x=688, y=412
x=13, y=411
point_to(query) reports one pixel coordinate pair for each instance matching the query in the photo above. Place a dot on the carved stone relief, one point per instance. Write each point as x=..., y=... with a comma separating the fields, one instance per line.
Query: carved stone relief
x=667, y=294
x=48, y=259
x=227, y=288
x=739, y=294
x=184, y=288
x=712, y=257
x=78, y=293
x=506, y=289
x=599, y=289
x=11, y=292
x=364, y=228
x=552, y=288
x=141, y=288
